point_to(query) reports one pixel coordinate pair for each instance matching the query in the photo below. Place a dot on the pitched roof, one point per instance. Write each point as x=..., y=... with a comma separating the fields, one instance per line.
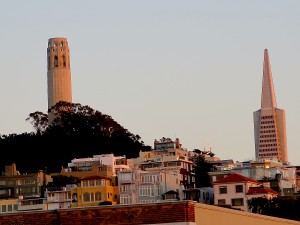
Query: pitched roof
x=235, y=178
x=261, y=190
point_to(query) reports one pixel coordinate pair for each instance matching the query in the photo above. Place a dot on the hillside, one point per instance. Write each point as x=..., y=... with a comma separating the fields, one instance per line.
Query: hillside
x=77, y=131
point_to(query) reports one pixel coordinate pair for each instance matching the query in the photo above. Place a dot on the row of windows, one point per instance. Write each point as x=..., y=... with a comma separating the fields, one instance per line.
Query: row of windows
x=56, y=61
x=234, y=202
x=8, y=208
x=267, y=136
x=54, y=50
x=266, y=117
x=88, y=163
x=18, y=182
x=127, y=187
x=267, y=131
x=127, y=176
x=104, y=168
x=149, y=190
x=56, y=44
x=268, y=150
x=53, y=196
x=92, y=183
x=150, y=178
x=238, y=189
x=28, y=190
x=125, y=199
x=267, y=122
x=91, y=197
x=148, y=201
x=268, y=154
x=267, y=140
x=269, y=126
x=267, y=145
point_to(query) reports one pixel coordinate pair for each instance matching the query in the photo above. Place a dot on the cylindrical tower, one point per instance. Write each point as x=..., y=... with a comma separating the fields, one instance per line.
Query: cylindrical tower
x=58, y=72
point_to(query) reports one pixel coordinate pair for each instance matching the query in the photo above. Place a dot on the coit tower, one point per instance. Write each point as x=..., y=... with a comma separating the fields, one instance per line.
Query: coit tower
x=58, y=72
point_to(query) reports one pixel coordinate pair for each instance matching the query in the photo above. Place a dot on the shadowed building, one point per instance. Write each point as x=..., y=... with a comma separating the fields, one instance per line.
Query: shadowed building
x=269, y=121
x=59, y=72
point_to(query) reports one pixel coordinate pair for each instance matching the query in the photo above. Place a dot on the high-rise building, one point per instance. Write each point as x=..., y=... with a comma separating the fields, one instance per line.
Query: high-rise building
x=269, y=121
x=59, y=72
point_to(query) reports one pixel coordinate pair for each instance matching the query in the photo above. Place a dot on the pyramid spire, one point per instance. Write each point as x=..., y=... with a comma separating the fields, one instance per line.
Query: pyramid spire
x=268, y=99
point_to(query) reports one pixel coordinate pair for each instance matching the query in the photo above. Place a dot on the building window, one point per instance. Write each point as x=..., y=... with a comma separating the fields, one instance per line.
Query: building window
x=64, y=61
x=221, y=202
x=145, y=191
x=214, y=178
x=9, y=208
x=98, y=182
x=85, y=183
x=125, y=199
x=223, y=189
x=239, y=188
x=92, y=183
x=3, y=208
x=237, y=202
x=86, y=197
x=56, y=61
x=74, y=197
x=98, y=196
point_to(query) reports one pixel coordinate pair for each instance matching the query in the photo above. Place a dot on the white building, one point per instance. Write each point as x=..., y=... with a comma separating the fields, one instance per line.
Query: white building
x=138, y=186
x=58, y=197
x=235, y=190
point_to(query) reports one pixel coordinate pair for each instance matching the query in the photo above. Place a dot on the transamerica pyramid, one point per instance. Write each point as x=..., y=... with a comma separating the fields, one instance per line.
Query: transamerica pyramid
x=269, y=121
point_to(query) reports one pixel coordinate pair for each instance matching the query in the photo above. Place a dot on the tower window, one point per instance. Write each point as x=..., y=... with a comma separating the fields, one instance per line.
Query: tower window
x=56, y=61
x=64, y=61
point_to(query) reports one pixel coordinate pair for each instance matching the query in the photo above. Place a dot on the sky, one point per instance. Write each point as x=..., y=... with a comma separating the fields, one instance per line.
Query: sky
x=162, y=68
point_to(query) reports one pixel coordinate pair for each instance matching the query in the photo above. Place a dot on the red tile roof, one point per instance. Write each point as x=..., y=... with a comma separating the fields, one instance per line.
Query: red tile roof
x=261, y=190
x=235, y=178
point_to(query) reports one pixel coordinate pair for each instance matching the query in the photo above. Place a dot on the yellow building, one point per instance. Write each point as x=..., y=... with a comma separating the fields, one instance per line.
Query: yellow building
x=9, y=205
x=94, y=190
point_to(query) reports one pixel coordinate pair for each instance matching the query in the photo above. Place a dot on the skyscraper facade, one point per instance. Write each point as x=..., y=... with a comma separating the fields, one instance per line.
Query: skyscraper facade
x=58, y=72
x=269, y=121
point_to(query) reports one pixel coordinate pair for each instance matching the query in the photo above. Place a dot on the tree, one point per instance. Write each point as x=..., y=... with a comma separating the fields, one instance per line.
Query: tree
x=260, y=205
x=201, y=168
x=76, y=131
x=39, y=121
x=283, y=207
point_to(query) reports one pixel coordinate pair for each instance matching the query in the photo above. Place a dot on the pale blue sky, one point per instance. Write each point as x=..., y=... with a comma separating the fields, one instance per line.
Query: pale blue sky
x=168, y=68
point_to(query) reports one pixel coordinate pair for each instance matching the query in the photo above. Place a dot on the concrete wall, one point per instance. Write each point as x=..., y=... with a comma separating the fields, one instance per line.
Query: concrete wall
x=214, y=215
